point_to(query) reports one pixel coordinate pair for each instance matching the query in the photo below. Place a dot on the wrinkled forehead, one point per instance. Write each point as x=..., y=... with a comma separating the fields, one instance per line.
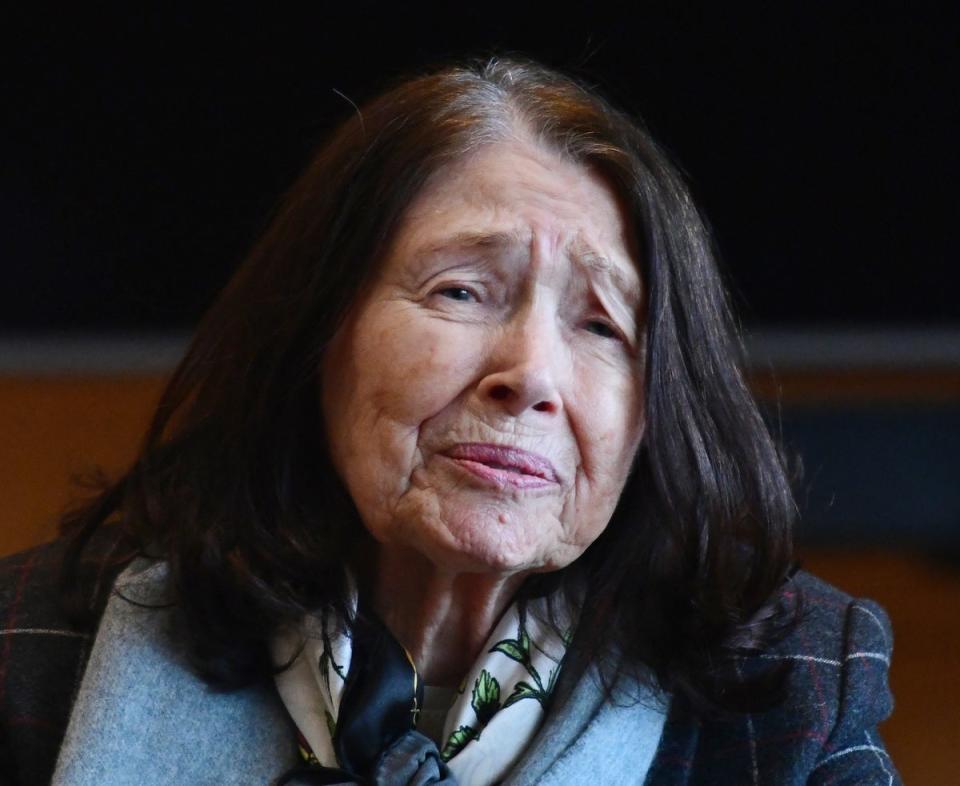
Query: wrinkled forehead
x=510, y=197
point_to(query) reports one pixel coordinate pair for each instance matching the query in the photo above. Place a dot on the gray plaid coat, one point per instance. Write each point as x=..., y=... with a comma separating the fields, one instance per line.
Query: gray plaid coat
x=825, y=733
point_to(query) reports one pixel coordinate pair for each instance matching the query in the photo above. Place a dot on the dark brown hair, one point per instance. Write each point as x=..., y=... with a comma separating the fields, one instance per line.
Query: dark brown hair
x=234, y=486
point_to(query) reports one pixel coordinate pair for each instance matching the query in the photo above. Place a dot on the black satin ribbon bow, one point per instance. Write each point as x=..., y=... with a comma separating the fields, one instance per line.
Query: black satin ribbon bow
x=376, y=741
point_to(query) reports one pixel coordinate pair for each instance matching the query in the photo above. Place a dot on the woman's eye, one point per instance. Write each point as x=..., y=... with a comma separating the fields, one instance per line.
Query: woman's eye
x=601, y=329
x=456, y=293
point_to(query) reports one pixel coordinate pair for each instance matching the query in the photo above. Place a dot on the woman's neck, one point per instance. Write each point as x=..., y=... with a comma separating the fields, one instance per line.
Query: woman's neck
x=442, y=619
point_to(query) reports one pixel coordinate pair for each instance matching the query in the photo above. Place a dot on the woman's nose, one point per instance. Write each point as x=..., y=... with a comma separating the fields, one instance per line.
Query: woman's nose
x=525, y=371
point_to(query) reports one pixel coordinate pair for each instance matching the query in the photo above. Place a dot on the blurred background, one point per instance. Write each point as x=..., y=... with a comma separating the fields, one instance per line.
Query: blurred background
x=143, y=150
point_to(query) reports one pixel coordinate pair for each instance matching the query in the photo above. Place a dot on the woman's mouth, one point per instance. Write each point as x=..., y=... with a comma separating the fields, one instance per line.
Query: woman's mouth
x=502, y=466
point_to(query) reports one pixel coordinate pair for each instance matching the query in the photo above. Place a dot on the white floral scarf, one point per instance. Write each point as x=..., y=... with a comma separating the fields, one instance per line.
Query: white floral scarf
x=494, y=716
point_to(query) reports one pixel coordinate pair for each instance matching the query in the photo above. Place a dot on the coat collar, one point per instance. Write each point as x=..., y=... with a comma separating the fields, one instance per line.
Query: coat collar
x=142, y=717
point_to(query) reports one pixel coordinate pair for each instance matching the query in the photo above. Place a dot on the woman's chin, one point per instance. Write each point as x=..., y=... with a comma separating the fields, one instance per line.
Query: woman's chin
x=460, y=534
x=494, y=542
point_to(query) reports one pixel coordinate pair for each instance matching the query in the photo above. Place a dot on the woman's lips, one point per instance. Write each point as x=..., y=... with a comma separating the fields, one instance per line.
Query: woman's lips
x=502, y=465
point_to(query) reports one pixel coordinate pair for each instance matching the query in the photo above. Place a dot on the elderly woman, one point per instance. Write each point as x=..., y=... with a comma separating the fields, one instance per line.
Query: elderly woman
x=459, y=482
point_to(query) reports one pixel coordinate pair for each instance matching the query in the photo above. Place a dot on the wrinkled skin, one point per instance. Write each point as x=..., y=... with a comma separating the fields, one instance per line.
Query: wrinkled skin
x=506, y=314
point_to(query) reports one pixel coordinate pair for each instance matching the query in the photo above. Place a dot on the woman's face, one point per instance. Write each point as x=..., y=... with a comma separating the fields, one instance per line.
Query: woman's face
x=484, y=399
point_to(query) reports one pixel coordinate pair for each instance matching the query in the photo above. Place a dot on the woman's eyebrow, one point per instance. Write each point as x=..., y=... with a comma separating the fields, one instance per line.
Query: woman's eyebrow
x=627, y=285
x=472, y=239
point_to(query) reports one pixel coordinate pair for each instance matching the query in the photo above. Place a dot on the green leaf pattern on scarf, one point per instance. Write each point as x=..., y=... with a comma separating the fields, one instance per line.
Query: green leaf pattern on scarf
x=485, y=700
x=486, y=697
x=458, y=741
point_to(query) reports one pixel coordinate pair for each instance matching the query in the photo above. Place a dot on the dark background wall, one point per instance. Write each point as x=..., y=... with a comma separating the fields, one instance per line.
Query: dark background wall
x=143, y=147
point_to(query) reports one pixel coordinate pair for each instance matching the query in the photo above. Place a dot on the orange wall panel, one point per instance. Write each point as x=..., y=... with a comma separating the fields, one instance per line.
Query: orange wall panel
x=54, y=428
